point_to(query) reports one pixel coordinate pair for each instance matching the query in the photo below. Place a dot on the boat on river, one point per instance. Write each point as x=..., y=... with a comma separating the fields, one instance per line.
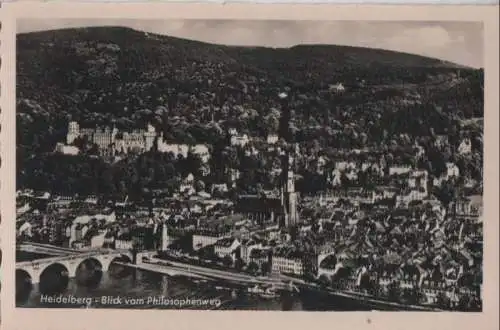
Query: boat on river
x=266, y=292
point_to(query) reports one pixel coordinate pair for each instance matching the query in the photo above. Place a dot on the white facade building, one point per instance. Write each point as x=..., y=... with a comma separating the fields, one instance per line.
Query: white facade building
x=200, y=240
x=283, y=264
x=226, y=247
x=67, y=150
x=465, y=147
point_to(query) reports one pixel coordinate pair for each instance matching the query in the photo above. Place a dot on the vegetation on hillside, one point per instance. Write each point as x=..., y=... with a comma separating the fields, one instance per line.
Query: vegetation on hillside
x=193, y=92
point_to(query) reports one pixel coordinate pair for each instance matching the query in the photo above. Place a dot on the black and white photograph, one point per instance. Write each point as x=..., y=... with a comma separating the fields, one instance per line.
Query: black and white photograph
x=271, y=165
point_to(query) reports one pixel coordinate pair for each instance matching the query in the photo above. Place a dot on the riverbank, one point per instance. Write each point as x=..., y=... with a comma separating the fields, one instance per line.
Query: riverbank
x=285, y=282
x=354, y=298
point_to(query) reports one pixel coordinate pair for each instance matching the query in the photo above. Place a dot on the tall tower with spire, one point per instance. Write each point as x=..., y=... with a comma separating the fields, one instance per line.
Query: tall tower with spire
x=165, y=238
x=288, y=193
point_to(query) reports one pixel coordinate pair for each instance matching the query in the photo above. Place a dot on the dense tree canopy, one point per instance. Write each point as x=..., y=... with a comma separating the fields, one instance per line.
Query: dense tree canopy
x=193, y=92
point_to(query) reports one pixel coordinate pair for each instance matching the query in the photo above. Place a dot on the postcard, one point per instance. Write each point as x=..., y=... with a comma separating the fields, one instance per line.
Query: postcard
x=170, y=160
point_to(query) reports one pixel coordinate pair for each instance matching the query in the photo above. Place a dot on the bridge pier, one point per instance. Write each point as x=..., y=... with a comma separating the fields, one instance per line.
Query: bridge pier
x=35, y=294
x=70, y=263
x=25, y=294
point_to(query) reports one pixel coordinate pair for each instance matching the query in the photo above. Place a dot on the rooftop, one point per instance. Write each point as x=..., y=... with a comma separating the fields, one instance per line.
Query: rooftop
x=225, y=242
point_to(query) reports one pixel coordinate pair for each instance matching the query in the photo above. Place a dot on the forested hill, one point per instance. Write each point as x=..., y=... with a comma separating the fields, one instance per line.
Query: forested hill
x=104, y=74
x=81, y=58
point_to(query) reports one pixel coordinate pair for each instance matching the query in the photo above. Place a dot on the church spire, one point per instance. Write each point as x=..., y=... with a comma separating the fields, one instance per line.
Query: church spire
x=289, y=196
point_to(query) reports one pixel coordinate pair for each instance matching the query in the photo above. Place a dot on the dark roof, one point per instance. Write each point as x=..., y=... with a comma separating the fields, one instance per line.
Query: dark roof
x=254, y=203
x=215, y=231
x=329, y=262
x=288, y=252
x=125, y=237
x=258, y=253
x=91, y=233
x=225, y=242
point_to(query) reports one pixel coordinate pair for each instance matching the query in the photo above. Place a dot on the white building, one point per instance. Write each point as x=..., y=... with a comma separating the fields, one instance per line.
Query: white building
x=202, y=151
x=287, y=260
x=97, y=241
x=399, y=169
x=206, y=238
x=345, y=166
x=234, y=175
x=109, y=141
x=226, y=247
x=452, y=170
x=418, y=179
x=25, y=229
x=240, y=140
x=84, y=219
x=67, y=150
x=338, y=87
x=124, y=242
x=23, y=209
x=187, y=185
x=335, y=178
x=91, y=200
x=176, y=149
x=412, y=195
x=465, y=147
x=246, y=248
x=287, y=265
x=220, y=187
x=272, y=139
x=73, y=132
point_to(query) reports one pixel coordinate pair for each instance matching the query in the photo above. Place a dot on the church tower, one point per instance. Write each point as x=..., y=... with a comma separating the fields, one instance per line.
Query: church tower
x=165, y=239
x=288, y=193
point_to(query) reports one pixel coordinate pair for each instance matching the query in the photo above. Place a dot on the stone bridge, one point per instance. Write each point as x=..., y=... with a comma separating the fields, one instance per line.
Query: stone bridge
x=46, y=249
x=70, y=263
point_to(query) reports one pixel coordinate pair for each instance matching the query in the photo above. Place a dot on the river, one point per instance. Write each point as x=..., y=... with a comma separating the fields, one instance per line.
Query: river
x=124, y=287
x=147, y=290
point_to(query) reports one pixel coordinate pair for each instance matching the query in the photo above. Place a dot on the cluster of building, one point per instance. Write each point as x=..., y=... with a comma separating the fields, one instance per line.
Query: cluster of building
x=350, y=238
x=431, y=251
x=256, y=231
x=89, y=227
x=111, y=142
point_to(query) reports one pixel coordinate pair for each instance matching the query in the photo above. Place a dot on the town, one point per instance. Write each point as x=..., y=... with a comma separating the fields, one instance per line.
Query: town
x=328, y=171
x=377, y=228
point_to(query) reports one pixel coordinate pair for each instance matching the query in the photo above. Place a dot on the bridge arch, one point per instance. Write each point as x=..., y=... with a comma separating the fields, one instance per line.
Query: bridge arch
x=124, y=257
x=54, y=277
x=89, y=271
x=94, y=261
x=24, y=284
x=27, y=273
x=115, y=269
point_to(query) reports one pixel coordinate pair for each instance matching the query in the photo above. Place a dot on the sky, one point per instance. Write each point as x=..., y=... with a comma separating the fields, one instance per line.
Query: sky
x=458, y=42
